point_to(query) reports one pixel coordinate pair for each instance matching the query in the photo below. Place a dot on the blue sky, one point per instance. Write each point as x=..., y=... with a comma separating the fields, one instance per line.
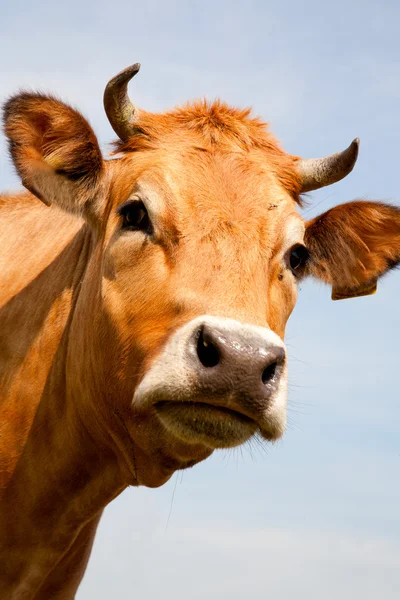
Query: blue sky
x=316, y=515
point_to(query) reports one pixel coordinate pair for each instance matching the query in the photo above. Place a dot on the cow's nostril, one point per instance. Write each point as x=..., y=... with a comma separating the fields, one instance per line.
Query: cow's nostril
x=269, y=372
x=207, y=351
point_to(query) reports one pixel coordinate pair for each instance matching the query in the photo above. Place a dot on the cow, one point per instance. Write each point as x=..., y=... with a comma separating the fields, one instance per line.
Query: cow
x=143, y=306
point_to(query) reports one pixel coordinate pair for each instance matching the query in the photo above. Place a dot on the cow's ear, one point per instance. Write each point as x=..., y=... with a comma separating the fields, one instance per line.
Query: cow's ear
x=55, y=152
x=352, y=245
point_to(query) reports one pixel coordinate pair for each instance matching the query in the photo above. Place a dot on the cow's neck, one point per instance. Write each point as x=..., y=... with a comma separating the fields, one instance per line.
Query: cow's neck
x=57, y=478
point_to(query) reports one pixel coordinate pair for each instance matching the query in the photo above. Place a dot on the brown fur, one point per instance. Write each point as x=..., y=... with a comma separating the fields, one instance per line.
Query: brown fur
x=212, y=127
x=85, y=307
x=353, y=244
x=48, y=139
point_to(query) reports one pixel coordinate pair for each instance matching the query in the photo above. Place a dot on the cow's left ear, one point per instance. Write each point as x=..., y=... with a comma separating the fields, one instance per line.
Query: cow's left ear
x=55, y=152
x=352, y=245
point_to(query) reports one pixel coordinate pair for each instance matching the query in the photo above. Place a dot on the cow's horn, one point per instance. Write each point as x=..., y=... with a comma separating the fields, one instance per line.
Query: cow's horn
x=318, y=172
x=120, y=111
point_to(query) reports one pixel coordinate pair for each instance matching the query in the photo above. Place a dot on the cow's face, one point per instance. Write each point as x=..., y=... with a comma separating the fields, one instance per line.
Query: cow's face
x=204, y=228
x=176, y=342
x=202, y=255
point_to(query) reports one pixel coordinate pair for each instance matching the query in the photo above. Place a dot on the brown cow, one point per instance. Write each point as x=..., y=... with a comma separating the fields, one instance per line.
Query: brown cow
x=143, y=305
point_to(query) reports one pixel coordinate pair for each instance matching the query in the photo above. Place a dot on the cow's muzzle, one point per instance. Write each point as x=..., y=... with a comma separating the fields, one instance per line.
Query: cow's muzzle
x=218, y=382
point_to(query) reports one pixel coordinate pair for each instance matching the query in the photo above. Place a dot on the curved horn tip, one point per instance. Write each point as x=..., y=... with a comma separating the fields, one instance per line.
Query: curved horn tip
x=120, y=111
x=126, y=74
x=351, y=152
x=355, y=144
x=319, y=172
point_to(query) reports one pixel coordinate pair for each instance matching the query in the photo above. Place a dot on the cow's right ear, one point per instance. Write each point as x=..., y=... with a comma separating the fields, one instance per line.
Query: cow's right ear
x=55, y=152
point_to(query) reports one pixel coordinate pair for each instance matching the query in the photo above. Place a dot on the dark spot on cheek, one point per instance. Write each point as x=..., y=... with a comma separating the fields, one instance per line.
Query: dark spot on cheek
x=109, y=271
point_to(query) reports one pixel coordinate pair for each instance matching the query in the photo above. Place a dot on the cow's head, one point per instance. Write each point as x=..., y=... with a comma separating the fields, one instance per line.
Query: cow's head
x=197, y=247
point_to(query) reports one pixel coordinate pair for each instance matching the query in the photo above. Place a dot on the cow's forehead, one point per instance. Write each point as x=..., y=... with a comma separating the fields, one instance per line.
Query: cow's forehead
x=202, y=186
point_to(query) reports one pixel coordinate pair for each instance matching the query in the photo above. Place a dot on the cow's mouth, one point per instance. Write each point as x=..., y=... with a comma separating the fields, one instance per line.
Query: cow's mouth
x=215, y=426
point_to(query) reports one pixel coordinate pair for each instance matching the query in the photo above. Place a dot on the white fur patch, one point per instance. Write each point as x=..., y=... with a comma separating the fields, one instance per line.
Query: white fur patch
x=173, y=375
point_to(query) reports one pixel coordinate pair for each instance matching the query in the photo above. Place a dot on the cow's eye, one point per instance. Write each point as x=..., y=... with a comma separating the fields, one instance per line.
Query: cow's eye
x=135, y=216
x=298, y=258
